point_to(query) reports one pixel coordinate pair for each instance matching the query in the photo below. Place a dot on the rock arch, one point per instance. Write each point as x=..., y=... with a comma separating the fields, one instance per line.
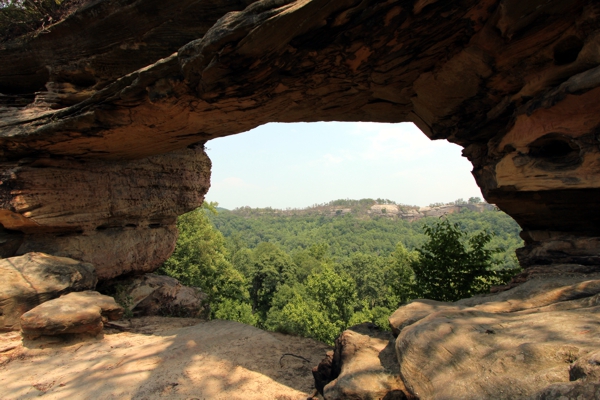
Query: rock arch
x=103, y=116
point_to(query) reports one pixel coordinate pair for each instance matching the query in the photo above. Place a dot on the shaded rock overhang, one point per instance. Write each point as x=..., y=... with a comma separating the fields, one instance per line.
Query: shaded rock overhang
x=121, y=88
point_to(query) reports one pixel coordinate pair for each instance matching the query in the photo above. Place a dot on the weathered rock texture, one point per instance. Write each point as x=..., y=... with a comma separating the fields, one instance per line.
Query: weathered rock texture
x=103, y=117
x=152, y=294
x=161, y=358
x=94, y=112
x=34, y=278
x=117, y=215
x=89, y=106
x=537, y=340
x=362, y=366
x=413, y=213
x=81, y=312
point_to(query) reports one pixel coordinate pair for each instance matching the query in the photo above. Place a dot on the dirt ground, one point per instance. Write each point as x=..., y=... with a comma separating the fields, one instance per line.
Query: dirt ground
x=166, y=358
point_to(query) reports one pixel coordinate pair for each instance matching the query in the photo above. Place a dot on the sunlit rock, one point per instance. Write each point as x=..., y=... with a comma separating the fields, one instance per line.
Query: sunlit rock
x=81, y=312
x=34, y=278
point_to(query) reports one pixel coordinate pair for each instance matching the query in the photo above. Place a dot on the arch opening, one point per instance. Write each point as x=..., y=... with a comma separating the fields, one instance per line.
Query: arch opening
x=300, y=164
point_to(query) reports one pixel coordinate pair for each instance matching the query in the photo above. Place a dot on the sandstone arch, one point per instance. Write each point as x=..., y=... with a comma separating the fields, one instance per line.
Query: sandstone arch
x=103, y=116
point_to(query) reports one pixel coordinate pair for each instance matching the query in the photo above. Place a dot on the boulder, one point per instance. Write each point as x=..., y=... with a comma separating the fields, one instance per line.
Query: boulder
x=81, y=312
x=532, y=341
x=539, y=291
x=362, y=366
x=415, y=311
x=324, y=373
x=34, y=278
x=152, y=294
x=112, y=251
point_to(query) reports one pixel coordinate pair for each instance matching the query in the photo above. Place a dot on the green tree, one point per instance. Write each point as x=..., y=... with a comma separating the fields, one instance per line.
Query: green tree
x=293, y=312
x=400, y=277
x=305, y=264
x=233, y=310
x=335, y=293
x=272, y=267
x=453, y=265
x=321, y=309
x=18, y=17
x=368, y=272
x=200, y=260
x=319, y=251
x=242, y=261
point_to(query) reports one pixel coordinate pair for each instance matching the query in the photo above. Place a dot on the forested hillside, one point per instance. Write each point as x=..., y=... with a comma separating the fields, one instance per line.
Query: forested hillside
x=356, y=231
x=314, y=273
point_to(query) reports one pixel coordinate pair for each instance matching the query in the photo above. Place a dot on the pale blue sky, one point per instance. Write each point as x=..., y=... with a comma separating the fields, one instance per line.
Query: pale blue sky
x=298, y=165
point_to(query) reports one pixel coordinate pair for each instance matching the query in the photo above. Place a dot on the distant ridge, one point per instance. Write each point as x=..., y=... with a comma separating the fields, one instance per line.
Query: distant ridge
x=371, y=208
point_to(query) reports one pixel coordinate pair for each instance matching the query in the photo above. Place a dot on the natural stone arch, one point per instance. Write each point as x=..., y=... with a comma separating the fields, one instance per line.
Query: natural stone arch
x=99, y=161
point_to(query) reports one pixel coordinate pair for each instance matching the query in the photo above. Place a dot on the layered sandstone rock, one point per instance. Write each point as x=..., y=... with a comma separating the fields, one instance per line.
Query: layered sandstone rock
x=112, y=251
x=97, y=116
x=363, y=366
x=118, y=215
x=34, y=278
x=81, y=312
x=515, y=83
x=537, y=340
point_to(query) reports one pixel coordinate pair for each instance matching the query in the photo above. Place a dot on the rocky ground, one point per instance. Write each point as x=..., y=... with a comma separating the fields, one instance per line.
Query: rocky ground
x=158, y=357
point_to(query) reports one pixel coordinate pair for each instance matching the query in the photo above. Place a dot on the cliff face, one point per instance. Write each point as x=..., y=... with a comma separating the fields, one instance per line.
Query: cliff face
x=118, y=215
x=97, y=113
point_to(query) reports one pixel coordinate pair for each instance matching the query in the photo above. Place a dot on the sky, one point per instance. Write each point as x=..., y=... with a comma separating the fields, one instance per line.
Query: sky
x=297, y=165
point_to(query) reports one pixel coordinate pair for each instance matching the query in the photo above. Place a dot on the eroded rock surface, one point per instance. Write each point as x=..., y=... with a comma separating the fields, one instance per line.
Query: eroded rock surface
x=34, y=278
x=517, y=84
x=80, y=312
x=103, y=118
x=152, y=294
x=363, y=365
x=524, y=342
x=161, y=358
x=119, y=216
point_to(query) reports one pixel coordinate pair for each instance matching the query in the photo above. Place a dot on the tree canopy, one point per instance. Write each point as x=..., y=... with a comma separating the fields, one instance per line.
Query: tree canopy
x=315, y=276
x=453, y=265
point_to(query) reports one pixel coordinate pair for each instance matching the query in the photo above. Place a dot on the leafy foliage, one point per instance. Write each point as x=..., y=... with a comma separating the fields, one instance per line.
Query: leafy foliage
x=314, y=275
x=320, y=309
x=271, y=268
x=235, y=310
x=293, y=312
x=354, y=232
x=200, y=260
x=18, y=17
x=453, y=265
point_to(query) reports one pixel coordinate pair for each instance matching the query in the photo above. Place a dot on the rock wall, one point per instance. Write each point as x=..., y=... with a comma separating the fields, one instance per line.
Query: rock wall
x=94, y=113
x=118, y=215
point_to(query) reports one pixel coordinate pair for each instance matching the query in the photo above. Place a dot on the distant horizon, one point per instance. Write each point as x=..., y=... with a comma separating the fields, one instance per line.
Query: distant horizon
x=297, y=165
x=326, y=204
